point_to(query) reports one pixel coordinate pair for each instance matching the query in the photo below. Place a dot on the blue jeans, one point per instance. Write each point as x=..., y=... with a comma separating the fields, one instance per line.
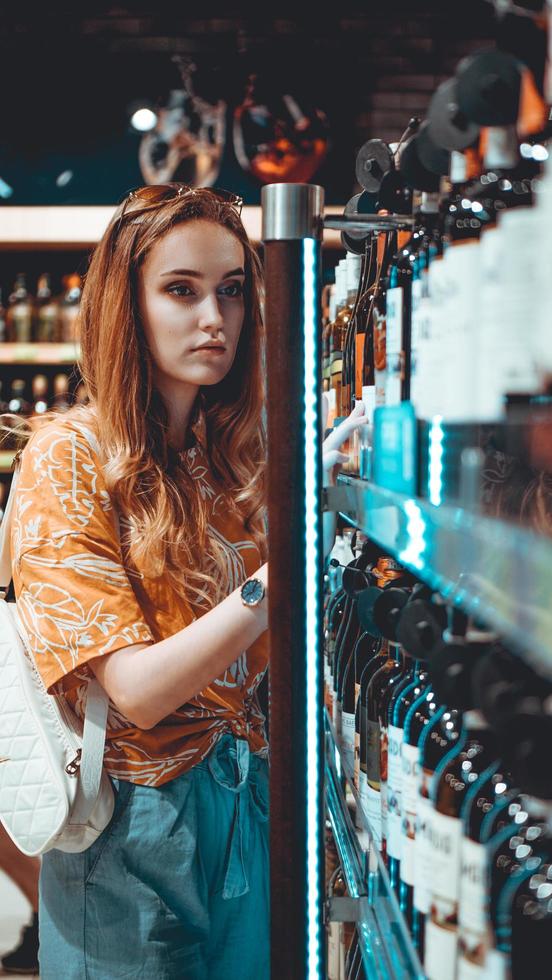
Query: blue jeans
x=175, y=888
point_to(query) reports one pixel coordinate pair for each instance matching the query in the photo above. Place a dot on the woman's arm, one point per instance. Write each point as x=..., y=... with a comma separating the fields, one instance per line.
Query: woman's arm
x=147, y=682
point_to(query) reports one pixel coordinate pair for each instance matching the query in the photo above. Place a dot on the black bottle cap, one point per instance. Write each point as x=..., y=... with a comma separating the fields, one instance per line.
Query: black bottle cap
x=374, y=160
x=433, y=157
x=420, y=629
x=394, y=194
x=488, y=88
x=387, y=610
x=448, y=126
x=412, y=169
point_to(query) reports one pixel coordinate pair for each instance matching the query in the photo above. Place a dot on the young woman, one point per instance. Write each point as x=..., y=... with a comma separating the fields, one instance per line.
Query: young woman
x=139, y=517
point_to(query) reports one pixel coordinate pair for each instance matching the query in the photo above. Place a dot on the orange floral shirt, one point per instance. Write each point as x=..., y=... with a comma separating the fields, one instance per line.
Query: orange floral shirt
x=78, y=599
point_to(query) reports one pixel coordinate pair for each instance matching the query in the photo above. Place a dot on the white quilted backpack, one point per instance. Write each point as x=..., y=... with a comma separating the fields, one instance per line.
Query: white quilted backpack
x=54, y=791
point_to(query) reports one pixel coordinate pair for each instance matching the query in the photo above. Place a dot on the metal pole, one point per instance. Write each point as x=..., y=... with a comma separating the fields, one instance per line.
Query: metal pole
x=292, y=229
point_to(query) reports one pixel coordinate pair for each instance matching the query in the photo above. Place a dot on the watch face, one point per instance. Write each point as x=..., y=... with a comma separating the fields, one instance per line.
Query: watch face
x=252, y=591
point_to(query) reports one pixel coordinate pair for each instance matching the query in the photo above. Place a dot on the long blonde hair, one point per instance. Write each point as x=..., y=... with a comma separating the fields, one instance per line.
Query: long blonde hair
x=150, y=484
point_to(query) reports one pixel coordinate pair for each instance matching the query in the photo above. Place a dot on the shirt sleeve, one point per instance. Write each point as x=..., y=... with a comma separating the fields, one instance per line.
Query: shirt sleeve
x=74, y=596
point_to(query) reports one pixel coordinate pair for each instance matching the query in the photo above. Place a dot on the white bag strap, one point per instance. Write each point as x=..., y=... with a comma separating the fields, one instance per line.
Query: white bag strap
x=5, y=535
x=97, y=701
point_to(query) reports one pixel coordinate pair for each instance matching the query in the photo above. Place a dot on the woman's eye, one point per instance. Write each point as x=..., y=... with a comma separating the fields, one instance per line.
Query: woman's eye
x=180, y=290
x=235, y=289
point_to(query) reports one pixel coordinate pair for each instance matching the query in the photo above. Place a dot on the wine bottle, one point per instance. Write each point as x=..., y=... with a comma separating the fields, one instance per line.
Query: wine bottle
x=441, y=729
x=20, y=312
x=407, y=693
x=354, y=266
x=69, y=309
x=40, y=394
x=46, y=313
x=473, y=926
x=452, y=779
x=390, y=669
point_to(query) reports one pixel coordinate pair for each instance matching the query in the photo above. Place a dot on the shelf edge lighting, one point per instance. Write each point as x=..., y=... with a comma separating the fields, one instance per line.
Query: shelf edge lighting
x=312, y=640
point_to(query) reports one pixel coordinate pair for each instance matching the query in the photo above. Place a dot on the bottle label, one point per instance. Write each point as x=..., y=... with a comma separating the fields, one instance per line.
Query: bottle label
x=356, y=772
x=348, y=739
x=394, y=791
x=410, y=755
x=383, y=781
x=373, y=753
x=369, y=400
x=372, y=808
x=394, y=321
x=423, y=855
x=335, y=940
x=442, y=928
x=472, y=924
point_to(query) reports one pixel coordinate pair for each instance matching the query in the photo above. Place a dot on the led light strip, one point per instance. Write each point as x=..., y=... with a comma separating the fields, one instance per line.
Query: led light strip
x=312, y=643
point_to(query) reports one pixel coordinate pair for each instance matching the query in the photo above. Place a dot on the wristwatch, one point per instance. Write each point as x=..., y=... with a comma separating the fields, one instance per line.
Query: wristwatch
x=252, y=592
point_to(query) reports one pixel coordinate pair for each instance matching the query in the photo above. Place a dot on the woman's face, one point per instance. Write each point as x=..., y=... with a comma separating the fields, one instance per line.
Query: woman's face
x=190, y=297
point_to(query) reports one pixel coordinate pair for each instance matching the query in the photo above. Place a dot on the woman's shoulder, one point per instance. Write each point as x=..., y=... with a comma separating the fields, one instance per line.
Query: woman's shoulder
x=63, y=445
x=79, y=423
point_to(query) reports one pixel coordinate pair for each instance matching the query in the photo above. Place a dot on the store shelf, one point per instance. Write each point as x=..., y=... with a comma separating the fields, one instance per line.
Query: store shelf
x=26, y=228
x=39, y=353
x=385, y=941
x=498, y=572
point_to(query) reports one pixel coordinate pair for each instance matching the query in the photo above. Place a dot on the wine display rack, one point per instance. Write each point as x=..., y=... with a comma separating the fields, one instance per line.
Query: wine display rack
x=497, y=571
x=387, y=949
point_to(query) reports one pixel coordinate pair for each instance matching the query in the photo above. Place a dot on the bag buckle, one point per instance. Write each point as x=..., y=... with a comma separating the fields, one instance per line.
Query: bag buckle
x=72, y=767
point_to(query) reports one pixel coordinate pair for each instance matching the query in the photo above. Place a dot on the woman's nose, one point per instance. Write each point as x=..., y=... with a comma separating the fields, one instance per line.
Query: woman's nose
x=210, y=314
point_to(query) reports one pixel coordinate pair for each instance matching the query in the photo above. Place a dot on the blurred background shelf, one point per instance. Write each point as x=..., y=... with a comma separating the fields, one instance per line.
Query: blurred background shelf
x=29, y=228
x=498, y=572
x=6, y=460
x=39, y=353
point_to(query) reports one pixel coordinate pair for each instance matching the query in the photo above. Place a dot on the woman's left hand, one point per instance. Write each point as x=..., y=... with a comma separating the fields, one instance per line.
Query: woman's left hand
x=331, y=456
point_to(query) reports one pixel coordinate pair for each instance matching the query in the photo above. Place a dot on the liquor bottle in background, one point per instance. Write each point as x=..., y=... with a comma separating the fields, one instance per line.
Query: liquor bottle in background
x=337, y=333
x=439, y=730
x=354, y=265
x=428, y=227
x=40, y=394
x=452, y=779
x=392, y=667
x=473, y=925
x=46, y=313
x=365, y=649
x=407, y=693
x=20, y=312
x=3, y=321
x=328, y=316
x=519, y=850
x=61, y=401
x=394, y=682
x=69, y=308
x=531, y=919
x=18, y=404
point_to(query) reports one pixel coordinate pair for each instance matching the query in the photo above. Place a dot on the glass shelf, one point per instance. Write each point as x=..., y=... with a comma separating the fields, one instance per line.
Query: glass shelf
x=39, y=353
x=499, y=572
x=387, y=948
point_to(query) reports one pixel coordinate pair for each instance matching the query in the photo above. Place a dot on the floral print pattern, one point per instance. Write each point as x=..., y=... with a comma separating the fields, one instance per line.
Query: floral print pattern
x=78, y=600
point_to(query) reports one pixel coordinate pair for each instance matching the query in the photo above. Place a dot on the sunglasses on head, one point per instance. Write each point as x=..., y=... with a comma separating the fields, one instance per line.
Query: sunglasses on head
x=142, y=198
